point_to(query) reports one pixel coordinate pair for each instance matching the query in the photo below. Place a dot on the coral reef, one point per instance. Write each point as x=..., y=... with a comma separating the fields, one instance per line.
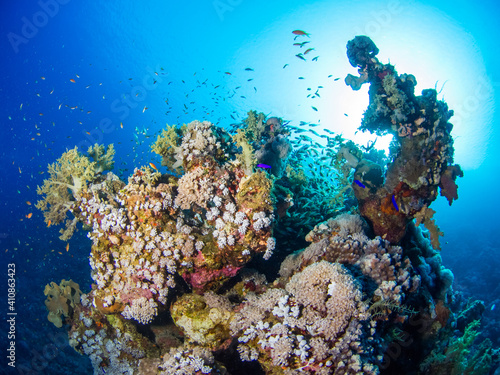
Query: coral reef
x=423, y=151
x=365, y=292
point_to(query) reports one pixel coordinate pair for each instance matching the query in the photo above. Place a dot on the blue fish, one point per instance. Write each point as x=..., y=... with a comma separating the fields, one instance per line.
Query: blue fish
x=359, y=183
x=266, y=166
x=394, y=203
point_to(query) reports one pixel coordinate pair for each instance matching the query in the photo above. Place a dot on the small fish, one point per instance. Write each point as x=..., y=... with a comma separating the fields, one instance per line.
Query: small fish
x=360, y=184
x=228, y=73
x=284, y=66
x=60, y=105
x=52, y=92
x=300, y=44
x=49, y=223
x=144, y=109
x=72, y=80
x=394, y=203
x=336, y=79
x=42, y=77
x=300, y=33
x=316, y=109
x=29, y=215
x=153, y=166
x=28, y=203
x=249, y=69
x=492, y=307
x=265, y=166
x=121, y=125
x=67, y=246
x=301, y=56
x=21, y=106
x=308, y=50
x=315, y=58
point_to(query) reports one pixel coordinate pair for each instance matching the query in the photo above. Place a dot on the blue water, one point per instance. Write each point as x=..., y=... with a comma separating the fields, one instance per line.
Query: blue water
x=138, y=66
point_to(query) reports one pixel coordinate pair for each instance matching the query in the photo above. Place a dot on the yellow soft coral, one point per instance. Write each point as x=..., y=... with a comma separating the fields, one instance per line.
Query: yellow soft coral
x=167, y=145
x=247, y=155
x=61, y=300
x=68, y=177
x=103, y=157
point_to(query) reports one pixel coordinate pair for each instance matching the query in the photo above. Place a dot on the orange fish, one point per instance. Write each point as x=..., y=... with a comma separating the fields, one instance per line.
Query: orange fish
x=72, y=80
x=28, y=203
x=48, y=223
x=67, y=246
x=300, y=33
x=121, y=125
x=153, y=166
x=29, y=215
x=43, y=78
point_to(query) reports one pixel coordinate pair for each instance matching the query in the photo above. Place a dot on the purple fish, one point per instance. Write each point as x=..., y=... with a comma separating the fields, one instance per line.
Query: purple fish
x=266, y=166
x=395, y=204
x=359, y=183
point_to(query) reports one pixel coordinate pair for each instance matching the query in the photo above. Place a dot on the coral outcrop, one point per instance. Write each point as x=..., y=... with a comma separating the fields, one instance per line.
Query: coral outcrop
x=422, y=153
x=173, y=292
